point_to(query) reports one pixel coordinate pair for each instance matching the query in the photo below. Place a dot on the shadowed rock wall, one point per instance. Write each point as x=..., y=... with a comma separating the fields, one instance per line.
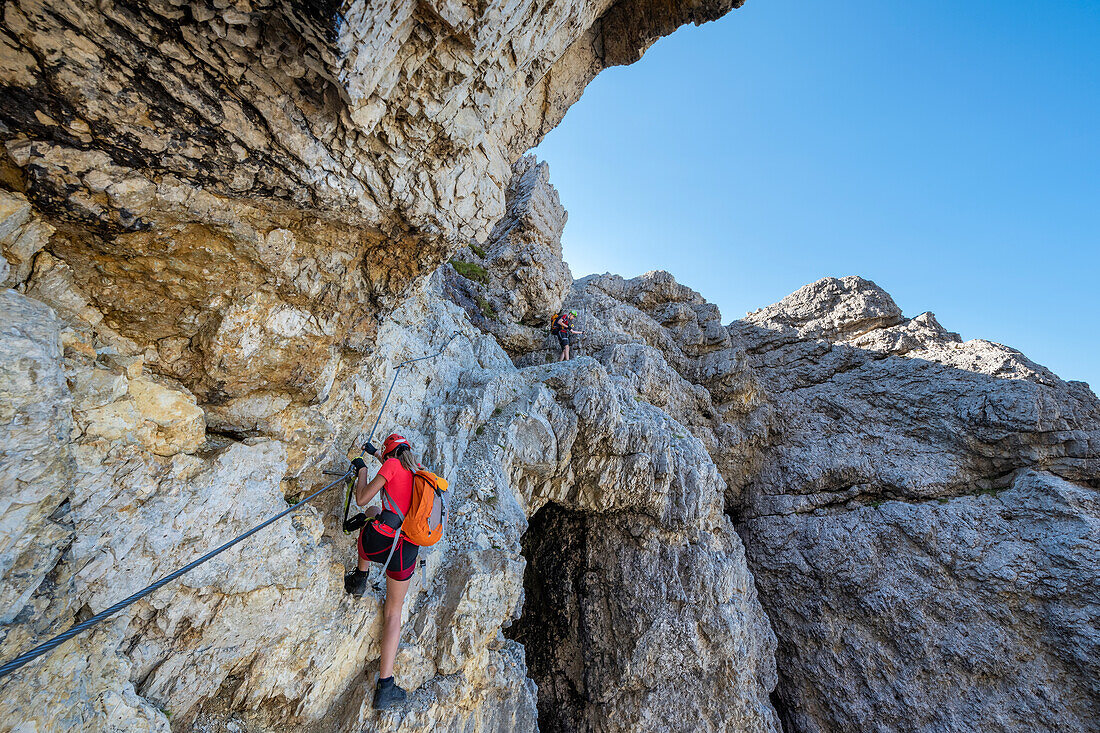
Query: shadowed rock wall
x=924, y=527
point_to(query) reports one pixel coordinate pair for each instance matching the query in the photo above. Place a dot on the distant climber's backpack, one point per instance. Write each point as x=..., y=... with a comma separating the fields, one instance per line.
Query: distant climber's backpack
x=427, y=517
x=559, y=323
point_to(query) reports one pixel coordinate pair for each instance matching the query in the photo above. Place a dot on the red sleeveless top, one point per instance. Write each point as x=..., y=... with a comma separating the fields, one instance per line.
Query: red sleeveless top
x=399, y=485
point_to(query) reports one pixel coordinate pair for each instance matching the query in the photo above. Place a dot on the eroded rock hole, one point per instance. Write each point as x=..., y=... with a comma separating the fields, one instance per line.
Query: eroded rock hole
x=552, y=627
x=782, y=711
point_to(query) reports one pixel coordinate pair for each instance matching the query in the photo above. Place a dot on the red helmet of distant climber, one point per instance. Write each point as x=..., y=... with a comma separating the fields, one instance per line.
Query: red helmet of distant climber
x=392, y=441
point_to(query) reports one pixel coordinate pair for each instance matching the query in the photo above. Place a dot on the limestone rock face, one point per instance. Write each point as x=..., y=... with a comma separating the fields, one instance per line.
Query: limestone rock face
x=575, y=439
x=629, y=539
x=36, y=461
x=864, y=457
x=224, y=217
x=919, y=511
x=974, y=612
x=923, y=527
x=210, y=651
x=670, y=343
x=263, y=634
x=242, y=192
x=685, y=637
x=22, y=235
x=633, y=569
x=514, y=285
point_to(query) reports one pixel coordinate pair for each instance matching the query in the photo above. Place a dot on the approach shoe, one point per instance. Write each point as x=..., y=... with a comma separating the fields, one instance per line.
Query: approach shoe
x=386, y=696
x=355, y=583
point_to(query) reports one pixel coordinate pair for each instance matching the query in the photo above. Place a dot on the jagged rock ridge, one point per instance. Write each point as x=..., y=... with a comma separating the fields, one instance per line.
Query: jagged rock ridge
x=925, y=527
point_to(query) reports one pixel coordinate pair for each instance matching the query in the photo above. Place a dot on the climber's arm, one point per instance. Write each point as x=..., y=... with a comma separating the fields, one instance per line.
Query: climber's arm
x=365, y=489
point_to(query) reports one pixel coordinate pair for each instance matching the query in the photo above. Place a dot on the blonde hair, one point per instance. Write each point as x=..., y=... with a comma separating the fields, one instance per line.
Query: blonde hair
x=408, y=459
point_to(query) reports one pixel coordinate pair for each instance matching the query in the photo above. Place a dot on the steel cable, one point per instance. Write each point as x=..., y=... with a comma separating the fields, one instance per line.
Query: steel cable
x=61, y=638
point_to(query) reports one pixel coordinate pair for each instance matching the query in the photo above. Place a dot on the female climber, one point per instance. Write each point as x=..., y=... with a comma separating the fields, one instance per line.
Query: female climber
x=375, y=542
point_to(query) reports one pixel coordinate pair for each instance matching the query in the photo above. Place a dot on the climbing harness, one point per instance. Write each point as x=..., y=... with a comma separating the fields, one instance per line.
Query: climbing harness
x=106, y=613
x=353, y=524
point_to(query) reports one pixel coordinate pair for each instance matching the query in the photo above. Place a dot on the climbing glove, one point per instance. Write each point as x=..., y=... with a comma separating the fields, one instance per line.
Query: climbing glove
x=358, y=465
x=369, y=449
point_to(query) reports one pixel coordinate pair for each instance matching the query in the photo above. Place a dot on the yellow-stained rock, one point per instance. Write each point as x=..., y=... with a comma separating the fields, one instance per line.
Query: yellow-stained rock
x=22, y=235
x=180, y=423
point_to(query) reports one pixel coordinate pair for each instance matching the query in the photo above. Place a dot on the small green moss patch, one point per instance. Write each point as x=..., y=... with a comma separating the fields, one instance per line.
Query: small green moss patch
x=471, y=271
x=486, y=307
x=989, y=491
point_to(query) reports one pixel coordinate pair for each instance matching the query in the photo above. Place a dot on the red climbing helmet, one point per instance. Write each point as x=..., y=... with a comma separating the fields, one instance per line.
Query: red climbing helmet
x=392, y=441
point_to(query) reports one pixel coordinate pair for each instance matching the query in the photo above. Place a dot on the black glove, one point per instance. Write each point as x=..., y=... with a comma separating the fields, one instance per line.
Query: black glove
x=358, y=465
x=369, y=449
x=354, y=523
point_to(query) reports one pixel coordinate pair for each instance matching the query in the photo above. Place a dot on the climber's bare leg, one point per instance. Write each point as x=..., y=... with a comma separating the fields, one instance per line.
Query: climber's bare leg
x=391, y=623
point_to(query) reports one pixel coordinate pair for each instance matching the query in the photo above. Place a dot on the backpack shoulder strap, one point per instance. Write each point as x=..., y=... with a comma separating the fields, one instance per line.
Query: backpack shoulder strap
x=389, y=504
x=443, y=515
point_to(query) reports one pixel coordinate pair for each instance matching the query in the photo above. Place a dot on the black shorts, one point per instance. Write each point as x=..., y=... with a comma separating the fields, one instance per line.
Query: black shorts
x=563, y=339
x=375, y=546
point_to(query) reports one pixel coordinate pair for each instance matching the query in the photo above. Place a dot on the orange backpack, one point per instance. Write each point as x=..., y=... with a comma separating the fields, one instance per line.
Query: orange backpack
x=561, y=323
x=427, y=517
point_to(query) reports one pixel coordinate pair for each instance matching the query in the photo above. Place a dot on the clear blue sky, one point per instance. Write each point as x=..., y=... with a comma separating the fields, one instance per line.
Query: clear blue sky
x=949, y=151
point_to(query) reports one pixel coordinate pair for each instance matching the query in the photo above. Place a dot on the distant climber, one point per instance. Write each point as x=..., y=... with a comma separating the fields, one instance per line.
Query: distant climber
x=563, y=325
x=376, y=543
